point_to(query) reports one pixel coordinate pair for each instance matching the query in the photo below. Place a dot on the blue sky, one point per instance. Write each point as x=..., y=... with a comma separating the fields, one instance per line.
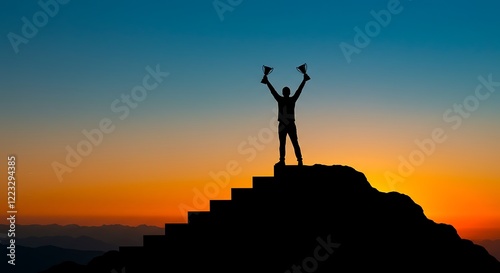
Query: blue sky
x=96, y=47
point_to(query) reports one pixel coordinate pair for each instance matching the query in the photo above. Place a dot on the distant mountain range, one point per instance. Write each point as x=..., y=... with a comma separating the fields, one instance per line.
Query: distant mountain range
x=38, y=247
x=78, y=243
x=37, y=259
x=105, y=237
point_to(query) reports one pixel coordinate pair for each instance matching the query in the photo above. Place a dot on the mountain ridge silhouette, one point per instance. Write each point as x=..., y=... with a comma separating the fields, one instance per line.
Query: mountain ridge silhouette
x=304, y=218
x=67, y=242
x=114, y=235
x=36, y=259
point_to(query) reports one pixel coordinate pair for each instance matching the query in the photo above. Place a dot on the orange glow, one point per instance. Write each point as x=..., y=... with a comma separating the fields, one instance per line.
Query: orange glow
x=141, y=179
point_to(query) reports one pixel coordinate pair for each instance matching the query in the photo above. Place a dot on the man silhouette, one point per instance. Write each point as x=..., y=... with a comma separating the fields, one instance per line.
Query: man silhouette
x=286, y=118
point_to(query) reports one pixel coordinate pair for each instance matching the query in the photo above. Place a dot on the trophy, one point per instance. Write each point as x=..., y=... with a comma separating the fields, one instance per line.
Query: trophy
x=303, y=69
x=267, y=70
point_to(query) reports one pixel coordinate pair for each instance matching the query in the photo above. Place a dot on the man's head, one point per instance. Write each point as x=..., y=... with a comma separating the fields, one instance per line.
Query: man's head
x=286, y=91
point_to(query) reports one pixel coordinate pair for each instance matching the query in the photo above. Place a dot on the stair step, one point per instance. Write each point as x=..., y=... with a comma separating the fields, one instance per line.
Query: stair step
x=219, y=205
x=154, y=241
x=177, y=236
x=174, y=228
x=241, y=193
x=262, y=181
x=131, y=251
x=198, y=217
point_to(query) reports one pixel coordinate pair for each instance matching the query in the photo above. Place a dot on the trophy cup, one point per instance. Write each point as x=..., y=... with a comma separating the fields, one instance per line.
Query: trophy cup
x=303, y=69
x=267, y=70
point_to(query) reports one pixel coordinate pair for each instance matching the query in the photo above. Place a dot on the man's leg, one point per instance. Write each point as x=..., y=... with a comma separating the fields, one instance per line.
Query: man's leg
x=292, y=132
x=282, y=131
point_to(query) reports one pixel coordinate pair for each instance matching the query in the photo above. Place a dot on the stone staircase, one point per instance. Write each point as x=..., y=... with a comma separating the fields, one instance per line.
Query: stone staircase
x=187, y=238
x=256, y=216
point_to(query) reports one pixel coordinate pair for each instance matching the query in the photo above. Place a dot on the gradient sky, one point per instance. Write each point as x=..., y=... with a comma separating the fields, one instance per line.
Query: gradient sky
x=211, y=116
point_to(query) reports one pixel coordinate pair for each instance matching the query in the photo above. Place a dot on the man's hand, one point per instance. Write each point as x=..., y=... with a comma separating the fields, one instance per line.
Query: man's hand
x=264, y=80
x=306, y=77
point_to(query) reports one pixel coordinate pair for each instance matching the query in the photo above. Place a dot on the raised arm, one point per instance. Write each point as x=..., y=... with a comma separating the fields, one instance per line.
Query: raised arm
x=271, y=88
x=301, y=86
